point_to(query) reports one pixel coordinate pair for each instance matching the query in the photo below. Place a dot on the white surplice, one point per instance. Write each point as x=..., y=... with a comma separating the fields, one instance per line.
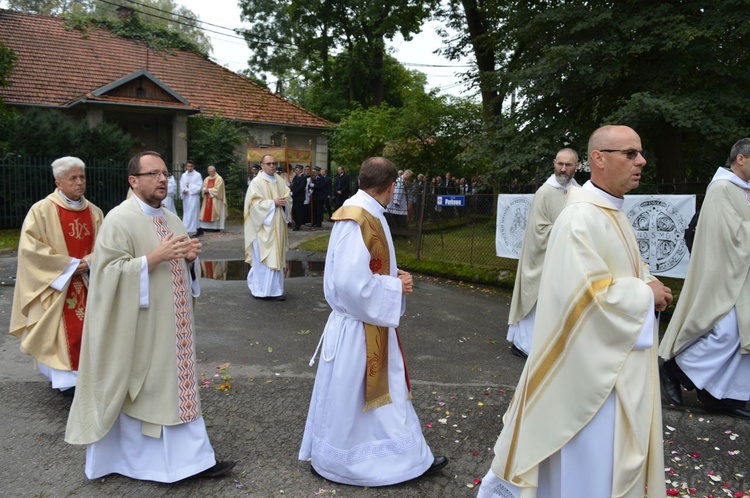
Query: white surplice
x=192, y=182
x=384, y=445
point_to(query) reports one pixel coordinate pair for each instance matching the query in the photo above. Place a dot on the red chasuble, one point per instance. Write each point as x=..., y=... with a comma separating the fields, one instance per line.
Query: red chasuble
x=208, y=210
x=78, y=228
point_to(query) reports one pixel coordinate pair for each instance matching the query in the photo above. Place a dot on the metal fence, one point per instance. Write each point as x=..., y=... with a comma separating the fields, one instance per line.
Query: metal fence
x=26, y=180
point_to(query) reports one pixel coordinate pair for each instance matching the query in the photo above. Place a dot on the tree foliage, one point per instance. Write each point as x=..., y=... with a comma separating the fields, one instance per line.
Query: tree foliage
x=426, y=134
x=676, y=75
x=44, y=132
x=161, y=23
x=298, y=38
x=213, y=141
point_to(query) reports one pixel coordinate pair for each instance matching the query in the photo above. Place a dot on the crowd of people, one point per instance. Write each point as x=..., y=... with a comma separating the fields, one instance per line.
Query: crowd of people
x=104, y=305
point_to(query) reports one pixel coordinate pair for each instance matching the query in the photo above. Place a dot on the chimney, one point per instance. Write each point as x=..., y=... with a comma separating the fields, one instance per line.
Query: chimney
x=124, y=13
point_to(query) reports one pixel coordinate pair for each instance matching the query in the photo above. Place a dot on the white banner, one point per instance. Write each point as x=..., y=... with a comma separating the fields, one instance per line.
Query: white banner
x=512, y=213
x=659, y=222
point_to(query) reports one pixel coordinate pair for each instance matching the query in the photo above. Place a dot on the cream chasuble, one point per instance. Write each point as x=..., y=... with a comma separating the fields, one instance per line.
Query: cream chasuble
x=271, y=233
x=593, y=303
x=136, y=358
x=37, y=312
x=720, y=255
x=548, y=201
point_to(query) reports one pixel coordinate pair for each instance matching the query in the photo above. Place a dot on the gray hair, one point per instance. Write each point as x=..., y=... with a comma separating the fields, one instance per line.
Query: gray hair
x=61, y=166
x=741, y=147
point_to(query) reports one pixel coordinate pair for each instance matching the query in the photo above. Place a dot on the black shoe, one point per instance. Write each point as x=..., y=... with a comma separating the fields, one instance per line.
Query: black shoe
x=437, y=465
x=315, y=472
x=670, y=385
x=199, y=232
x=275, y=298
x=732, y=412
x=517, y=351
x=220, y=469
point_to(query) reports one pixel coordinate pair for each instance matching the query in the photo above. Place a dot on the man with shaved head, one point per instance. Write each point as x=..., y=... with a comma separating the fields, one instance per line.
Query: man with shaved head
x=586, y=416
x=548, y=201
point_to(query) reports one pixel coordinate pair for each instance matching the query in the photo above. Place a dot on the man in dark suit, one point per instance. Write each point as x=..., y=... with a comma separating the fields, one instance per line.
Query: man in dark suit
x=341, y=187
x=329, y=192
x=299, y=208
x=317, y=189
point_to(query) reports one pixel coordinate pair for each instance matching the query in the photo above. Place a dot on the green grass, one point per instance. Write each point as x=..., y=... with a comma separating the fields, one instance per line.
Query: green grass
x=9, y=239
x=466, y=253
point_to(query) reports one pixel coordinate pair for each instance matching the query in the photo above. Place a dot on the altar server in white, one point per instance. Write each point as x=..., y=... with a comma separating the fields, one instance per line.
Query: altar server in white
x=361, y=427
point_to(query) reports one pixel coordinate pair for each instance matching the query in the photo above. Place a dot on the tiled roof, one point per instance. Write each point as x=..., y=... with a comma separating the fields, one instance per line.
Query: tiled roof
x=57, y=66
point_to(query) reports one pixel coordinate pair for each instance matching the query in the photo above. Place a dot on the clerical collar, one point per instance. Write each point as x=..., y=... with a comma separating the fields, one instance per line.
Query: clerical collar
x=370, y=200
x=617, y=201
x=70, y=202
x=268, y=177
x=149, y=210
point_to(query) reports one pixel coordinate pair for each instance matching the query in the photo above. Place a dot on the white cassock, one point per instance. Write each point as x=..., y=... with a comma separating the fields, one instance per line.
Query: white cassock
x=192, y=182
x=168, y=201
x=380, y=446
x=548, y=201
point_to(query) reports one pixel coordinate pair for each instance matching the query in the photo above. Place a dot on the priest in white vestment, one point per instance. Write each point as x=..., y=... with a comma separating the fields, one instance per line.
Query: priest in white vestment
x=361, y=426
x=137, y=405
x=214, y=206
x=191, y=183
x=707, y=343
x=585, y=420
x=268, y=208
x=54, y=255
x=168, y=201
x=545, y=208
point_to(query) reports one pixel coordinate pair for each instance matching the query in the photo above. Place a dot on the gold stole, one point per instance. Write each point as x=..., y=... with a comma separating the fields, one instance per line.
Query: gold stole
x=376, y=337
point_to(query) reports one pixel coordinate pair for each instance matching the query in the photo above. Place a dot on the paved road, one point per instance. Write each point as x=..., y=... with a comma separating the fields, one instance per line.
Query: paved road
x=462, y=374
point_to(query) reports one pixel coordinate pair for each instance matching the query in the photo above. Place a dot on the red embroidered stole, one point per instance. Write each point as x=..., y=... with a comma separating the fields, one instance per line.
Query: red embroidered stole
x=187, y=388
x=377, y=393
x=78, y=229
x=208, y=201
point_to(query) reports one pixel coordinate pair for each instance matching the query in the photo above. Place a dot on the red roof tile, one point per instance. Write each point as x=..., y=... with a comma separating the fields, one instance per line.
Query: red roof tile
x=57, y=66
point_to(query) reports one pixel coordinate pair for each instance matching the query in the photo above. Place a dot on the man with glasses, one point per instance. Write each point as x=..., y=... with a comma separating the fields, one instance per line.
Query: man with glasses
x=54, y=256
x=548, y=201
x=191, y=183
x=268, y=207
x=137, y=405
x=586, y=416
x=707, y=343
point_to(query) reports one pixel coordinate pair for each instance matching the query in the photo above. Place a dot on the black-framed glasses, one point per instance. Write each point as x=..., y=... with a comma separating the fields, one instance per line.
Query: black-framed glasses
x=153, y=174
x=629, y=153
x=268, y=164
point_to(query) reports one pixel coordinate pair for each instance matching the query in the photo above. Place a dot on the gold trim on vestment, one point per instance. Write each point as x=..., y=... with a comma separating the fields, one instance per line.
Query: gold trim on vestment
x=551, y=357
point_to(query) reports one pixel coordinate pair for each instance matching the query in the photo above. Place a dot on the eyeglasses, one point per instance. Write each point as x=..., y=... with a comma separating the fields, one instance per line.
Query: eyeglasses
x=268, y=164
x=153, y=174
x=629, y=153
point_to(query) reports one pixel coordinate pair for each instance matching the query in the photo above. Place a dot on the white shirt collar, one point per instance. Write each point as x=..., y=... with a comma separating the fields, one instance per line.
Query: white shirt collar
x=729, y=175
x=148, y=210
x=70, y=202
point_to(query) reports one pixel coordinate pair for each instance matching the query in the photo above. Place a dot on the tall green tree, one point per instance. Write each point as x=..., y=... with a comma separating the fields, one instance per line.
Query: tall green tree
x=675, y=71
x=296, y=38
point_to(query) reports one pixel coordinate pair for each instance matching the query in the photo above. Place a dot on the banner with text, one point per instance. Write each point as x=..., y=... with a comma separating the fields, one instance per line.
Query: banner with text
x=659, y=223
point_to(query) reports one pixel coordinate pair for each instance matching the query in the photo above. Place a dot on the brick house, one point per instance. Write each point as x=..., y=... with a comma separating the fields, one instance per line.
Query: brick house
x=150, y=94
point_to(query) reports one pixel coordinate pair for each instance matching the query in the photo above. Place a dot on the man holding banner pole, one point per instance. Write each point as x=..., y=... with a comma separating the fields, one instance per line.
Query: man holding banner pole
x=545, y=208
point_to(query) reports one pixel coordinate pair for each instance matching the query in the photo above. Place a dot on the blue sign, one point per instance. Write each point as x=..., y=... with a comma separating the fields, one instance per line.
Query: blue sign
x=451, y=200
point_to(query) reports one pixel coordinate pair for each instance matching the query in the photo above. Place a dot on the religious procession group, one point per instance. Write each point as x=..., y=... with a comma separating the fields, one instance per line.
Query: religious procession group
x=584, y=312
